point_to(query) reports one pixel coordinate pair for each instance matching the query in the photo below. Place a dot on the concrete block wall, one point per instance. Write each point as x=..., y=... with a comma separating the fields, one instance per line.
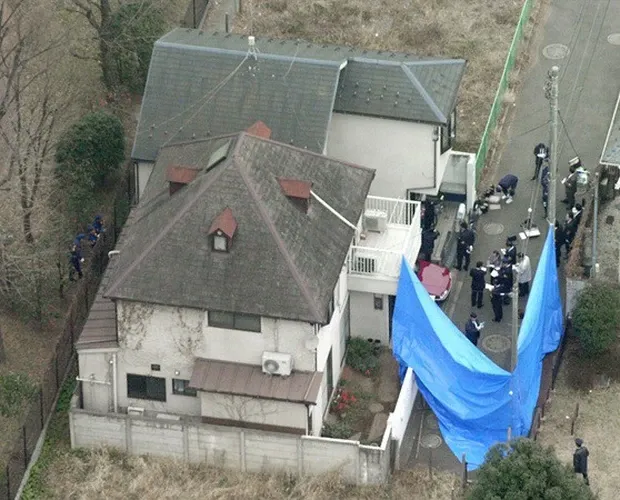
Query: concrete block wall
x=241, y=449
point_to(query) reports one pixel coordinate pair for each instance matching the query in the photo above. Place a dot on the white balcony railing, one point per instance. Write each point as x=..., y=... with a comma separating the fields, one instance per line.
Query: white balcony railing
x=374, y=261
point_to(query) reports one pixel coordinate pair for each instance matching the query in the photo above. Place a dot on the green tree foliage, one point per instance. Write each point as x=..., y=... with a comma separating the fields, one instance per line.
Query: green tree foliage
x=362, y=355
x=596, y=318
x=87, y=155
x=130, y=34
x=524, y=470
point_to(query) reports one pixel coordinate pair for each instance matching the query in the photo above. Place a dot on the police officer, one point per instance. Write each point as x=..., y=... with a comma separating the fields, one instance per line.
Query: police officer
x=510, y=252
x=544, y=182
x=428, y=243
x=478, y=283
x=560, y=241
x=75, y=258
x=464, y=246
x=472, y=329
x=499, y=292
x=570, y=182
x=507, y=185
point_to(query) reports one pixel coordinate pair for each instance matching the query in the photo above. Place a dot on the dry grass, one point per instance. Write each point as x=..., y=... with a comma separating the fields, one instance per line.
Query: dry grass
x=477, y=30
x=598, y=425
x=107, y=474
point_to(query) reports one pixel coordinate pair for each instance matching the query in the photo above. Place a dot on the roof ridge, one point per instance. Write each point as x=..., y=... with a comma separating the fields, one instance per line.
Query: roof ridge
x=198, y=140
x=425, y=95
x=155, y=241
x=279, y=242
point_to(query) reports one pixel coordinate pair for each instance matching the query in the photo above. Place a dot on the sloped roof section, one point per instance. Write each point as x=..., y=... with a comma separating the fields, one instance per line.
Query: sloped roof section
x=206, y=85
x=284, y=263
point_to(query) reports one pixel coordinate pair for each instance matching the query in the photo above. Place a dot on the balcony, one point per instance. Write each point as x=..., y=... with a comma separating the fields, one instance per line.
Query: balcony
x=388, y=230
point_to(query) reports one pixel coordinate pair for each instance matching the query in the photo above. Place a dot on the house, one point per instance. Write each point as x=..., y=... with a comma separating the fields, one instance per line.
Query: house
x=228, y=297
x=392, y=112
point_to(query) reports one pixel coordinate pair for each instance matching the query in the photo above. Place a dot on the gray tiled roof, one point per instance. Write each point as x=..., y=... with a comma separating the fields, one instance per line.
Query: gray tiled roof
x=283, y=263
x=207, y=85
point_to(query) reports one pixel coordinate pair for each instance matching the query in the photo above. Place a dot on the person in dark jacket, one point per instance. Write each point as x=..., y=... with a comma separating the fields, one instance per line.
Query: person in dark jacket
x=428, y=220
x=507, y=185
x=580, y=460
x=560, y=241
x=98, y=224
x=506, y=278
x=497, y=300
x=570, y=186
x=428, y=243
x=570, y=230
x=541, y=153
x=464, y=246
x=473, y=328
x=510, y=252
x=478, y=283
x=75, y=258
x=93, y=236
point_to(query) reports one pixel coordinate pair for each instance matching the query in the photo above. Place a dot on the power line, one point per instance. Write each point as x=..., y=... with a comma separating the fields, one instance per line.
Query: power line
x=566, y=132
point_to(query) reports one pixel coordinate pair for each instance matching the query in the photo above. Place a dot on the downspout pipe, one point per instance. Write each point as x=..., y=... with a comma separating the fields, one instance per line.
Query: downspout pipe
x=113, y=362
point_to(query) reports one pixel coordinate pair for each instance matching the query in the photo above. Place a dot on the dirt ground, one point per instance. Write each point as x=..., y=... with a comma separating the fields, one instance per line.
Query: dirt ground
x=595, y=386
x=609, y=241
x=479, y=31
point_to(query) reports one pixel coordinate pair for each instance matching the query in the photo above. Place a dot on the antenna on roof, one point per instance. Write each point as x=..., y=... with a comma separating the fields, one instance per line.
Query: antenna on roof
x=252, y=47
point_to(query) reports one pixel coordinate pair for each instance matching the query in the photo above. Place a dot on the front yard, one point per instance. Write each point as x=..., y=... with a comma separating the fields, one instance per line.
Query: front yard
x=367, y=393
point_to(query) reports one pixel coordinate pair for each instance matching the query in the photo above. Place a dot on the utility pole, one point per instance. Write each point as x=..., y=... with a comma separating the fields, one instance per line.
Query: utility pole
x=553, y=167
x=515, y=318
x=593, y=269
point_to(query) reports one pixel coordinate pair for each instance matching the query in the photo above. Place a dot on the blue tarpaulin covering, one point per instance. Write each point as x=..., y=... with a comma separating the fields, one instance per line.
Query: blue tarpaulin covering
x=475, y=400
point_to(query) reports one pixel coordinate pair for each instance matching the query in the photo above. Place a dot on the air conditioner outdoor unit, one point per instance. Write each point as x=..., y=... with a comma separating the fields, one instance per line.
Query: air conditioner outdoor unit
x=277, y=363
x=135, y=410
x=375, y=220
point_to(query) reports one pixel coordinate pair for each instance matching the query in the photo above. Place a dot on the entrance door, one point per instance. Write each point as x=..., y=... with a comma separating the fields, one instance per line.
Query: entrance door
x=330, y=375
x=391, y=303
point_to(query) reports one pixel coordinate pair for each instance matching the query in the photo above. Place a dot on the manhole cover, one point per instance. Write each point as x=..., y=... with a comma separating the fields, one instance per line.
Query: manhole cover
x=493, y=228
x=555, y=51
x=431, y=441
x=431, y=422
x=496, y=343
x=614, y=38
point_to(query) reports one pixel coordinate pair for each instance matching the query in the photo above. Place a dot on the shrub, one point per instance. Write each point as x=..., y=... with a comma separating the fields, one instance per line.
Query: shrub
x=132, y=31
x=15, y=389
x=524, y=469
x=596, y=318
x=337, y=430
x=362, y=355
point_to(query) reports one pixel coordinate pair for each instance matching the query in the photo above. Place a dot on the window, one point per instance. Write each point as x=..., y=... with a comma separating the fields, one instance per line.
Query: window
x=180, y=387
x=220, y=242
x=378, y=302
x=331, y=308
x=145, y=387
x=234, y=321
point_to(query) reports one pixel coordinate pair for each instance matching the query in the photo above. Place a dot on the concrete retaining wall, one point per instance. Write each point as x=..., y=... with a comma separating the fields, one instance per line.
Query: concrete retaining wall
x=242, y=449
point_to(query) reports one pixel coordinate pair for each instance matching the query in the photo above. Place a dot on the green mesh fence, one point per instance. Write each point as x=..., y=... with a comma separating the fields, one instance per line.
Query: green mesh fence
x=496, y=109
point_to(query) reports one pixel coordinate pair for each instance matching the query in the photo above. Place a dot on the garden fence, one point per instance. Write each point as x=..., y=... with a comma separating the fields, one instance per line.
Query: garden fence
x=504, y=81
x=14, y=465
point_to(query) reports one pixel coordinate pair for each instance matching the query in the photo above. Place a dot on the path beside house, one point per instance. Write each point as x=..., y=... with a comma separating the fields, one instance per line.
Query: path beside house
x=589, y=75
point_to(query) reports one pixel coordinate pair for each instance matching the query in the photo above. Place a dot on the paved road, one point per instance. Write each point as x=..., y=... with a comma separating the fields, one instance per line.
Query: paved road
x=589, y=84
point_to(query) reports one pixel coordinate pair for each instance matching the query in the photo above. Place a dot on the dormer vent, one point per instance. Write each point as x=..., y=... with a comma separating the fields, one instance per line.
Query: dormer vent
x=222, y=231
x=179, y=176
x=297, y=191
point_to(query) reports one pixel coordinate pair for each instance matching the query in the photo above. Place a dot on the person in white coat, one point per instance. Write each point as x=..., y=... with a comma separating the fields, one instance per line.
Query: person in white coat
x=524, y=270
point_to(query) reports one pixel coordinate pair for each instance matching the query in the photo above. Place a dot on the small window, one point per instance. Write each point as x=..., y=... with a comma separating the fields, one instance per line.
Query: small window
x=180, y=388
x=448, y=133
x=145, y=387
x=378, y=301
x=220, y=242
x=234, y=321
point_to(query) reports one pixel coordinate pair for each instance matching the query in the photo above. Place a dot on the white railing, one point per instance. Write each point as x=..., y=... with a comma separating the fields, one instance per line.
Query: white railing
x=398, y=211
x=374, y=262
x=414, y=240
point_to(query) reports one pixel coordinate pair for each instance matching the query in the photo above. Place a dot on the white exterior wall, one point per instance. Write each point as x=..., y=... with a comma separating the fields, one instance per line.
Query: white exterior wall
x=143, y=172
x=173, y=337
x=368, y=322
x=259, y=411
x=400, y=151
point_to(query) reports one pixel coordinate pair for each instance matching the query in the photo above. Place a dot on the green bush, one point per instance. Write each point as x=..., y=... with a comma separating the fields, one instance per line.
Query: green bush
x=88, y=154
x=15, y=389
x=337, y=430
x=523, y=469
x=596, y=318
x=131, y=32
x=362, y=355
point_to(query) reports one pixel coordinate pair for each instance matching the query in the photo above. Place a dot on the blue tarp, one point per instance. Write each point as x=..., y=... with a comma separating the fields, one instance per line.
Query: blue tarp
x=475, y=400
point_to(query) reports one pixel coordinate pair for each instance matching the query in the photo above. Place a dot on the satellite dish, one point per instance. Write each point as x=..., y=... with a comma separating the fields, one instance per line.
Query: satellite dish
x=312, y=343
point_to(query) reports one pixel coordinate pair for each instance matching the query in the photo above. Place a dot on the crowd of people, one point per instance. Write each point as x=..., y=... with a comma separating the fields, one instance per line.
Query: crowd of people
x=95, y=230
x=498, y=273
